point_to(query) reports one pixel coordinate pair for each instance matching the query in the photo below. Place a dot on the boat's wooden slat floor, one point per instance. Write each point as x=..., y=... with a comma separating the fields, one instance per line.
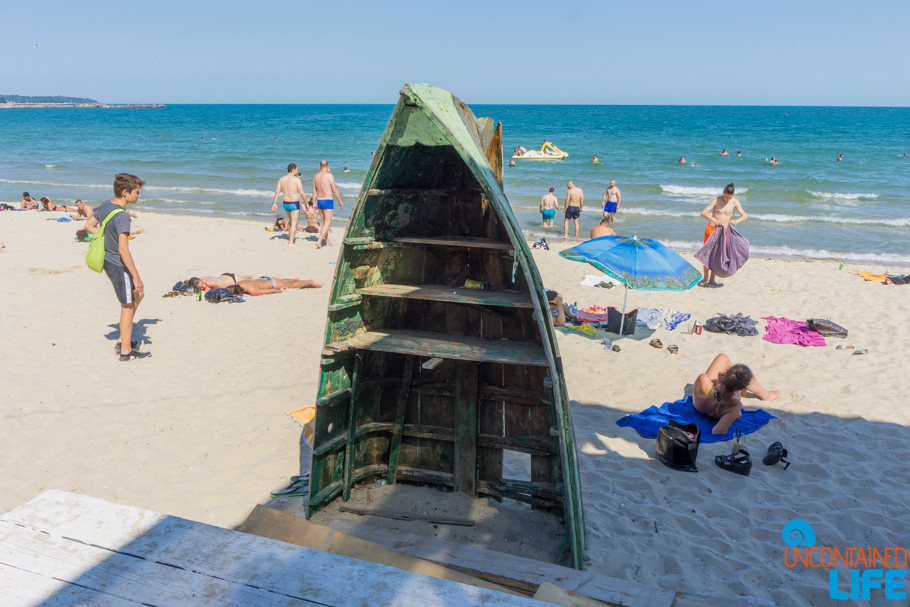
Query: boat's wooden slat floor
x=507, y=299
x=66, y=549
x=424, y=343
x=480, y=243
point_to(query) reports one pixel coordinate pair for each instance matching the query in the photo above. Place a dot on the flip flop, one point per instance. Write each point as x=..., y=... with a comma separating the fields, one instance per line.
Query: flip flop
x=776, y=453
x=843, y=347
x=860, y=352
x=297, y=488
x=673, y=349
x=738, y=462
x=656, y=343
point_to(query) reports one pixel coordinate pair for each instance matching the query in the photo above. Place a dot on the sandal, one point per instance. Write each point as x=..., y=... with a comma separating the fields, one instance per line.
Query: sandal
x=738, y=462
x=843, y=347
x=656, y=343
x=616, y=348
x=776, y=453
x=673, y=349
x=860, y=352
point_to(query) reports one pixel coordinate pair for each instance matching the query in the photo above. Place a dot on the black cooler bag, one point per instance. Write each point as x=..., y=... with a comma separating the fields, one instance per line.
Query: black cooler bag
x=677, y=445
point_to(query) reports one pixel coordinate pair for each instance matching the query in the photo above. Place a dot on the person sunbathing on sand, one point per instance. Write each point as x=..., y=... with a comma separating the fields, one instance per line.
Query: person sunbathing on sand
x=50, y=206
x=718, y=391
x=267, y=285
x=215, y=282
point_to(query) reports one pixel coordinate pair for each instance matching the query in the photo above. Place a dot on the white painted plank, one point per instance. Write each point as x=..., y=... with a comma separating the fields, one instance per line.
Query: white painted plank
x=124, y=577
x=25, y=589
x=243, y=559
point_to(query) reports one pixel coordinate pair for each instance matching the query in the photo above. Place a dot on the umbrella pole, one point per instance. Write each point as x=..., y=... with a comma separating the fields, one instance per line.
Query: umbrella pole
x=622, y=319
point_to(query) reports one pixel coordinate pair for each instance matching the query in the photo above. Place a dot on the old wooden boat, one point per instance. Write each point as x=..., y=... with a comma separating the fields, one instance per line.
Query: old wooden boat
x=421, y=378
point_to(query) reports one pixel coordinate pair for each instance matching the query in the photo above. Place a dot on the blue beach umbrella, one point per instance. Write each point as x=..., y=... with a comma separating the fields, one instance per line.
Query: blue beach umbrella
x=639, y=263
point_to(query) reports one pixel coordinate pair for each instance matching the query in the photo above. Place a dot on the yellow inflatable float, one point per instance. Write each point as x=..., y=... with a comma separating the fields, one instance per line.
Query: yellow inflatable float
x=548, y=151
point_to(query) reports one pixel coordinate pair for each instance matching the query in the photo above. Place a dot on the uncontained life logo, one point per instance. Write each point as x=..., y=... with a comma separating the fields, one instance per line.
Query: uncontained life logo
x=873, y=571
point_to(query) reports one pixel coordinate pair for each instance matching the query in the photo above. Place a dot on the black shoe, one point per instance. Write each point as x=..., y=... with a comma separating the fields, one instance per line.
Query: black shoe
x=134, y=354
x=738, y=462
x=776, y=453
x=134, y=344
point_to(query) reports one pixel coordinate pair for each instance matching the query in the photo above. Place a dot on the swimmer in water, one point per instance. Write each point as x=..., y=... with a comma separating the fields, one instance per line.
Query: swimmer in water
x=682, y=160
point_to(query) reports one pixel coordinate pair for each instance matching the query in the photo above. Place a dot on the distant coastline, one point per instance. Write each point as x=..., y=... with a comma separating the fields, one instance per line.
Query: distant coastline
x=79, y=105
x=60, y=101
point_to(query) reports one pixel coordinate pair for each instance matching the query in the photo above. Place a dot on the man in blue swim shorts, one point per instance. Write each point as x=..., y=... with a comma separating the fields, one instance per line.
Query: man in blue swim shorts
x=611, y=200
x=290, y=188
x=549, y=204
x=325, y=193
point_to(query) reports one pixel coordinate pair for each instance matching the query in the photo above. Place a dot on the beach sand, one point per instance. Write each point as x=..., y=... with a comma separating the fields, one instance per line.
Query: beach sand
x=200, y=429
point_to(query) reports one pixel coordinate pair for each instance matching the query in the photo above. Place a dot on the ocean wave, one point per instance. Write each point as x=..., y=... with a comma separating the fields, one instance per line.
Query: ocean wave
x=682, y=190
x=65, y=185
x=842, y=195
x=348, y=185
x=774, y=218
x=235, y=192
x=800, y=253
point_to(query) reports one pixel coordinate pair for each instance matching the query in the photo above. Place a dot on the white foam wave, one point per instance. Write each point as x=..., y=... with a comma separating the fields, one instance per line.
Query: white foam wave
x=50, y=166
x=237, y=192
x=346, y=185
x=66, y=185
x=682, y=190
x=843, y=195
x=799, y=253
x=774, y=218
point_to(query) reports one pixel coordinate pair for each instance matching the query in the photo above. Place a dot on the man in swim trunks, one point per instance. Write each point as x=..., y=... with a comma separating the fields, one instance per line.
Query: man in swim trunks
x=324, y=194
x=267, y=285
x=549, y=204
x=611, y=200
x=721, y=214
x=575, y=203
x=291, y=189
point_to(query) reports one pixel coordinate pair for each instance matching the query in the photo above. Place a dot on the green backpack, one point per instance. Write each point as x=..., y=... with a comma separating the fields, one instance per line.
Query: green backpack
x=94, y=258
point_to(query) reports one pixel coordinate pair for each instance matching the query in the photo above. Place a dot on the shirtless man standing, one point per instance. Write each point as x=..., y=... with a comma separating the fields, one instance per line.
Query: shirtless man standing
x=325, y=192
x=575, y=204
x=721, y=214
x=549, y=204
x=611, y=200
x=291, y=189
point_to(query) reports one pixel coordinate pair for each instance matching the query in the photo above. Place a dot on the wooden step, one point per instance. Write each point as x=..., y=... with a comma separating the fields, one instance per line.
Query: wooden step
x=478, y=243
x=424, y=343
x=506, y=299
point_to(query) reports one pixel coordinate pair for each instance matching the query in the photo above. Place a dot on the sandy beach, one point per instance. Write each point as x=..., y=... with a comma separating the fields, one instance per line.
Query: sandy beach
x=200, y=429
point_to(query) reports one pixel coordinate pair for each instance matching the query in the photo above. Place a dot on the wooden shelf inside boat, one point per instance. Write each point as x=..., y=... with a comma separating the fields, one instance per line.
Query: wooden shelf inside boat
x=478, y=243
x=424, y=343
x=506, y=299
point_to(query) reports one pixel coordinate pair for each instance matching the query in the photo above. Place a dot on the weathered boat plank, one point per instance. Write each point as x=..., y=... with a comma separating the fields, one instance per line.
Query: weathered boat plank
x=465, y=426
x=509, y=299
x=479, y=243
x=400, y=410
x=422, y=343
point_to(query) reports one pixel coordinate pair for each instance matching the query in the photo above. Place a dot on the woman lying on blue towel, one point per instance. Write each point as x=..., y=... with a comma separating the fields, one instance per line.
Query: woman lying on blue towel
x=719, y=390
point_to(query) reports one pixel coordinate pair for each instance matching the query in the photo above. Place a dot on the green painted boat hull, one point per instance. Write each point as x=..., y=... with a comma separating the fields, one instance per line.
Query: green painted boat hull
x=422, y=379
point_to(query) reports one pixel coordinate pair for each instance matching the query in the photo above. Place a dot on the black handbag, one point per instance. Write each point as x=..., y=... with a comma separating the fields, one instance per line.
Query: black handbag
x=614, y=317
x=826, y=327
x=222, y=296
x=677, y=445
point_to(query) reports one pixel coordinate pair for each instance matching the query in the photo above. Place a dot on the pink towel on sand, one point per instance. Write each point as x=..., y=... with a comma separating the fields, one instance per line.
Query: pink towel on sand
x=786, y=331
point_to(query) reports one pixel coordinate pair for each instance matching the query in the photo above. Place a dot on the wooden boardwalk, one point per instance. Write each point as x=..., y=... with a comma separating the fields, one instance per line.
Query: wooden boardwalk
x=67, y=549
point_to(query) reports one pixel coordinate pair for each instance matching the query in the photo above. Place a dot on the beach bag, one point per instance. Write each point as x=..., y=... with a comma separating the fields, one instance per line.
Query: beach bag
x=614, y=318
x=826, y=327
x=94, y=258
x=677, y=445
x=222, y=296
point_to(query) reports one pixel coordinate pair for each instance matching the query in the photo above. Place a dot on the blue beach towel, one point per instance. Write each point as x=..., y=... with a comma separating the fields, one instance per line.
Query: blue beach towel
x=648, y=421
x=64, y=219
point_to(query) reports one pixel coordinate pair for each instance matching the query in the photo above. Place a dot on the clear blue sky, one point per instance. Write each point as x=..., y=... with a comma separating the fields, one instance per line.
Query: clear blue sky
x=724, y=53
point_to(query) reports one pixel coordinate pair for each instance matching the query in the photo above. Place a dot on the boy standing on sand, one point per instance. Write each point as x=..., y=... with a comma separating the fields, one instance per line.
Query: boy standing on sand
x=118, y=261
x=291, y=190
x=721, y=209
x=325, y=192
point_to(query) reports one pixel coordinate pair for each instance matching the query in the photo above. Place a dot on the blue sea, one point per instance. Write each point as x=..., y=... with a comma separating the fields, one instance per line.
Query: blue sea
x=224, y=160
